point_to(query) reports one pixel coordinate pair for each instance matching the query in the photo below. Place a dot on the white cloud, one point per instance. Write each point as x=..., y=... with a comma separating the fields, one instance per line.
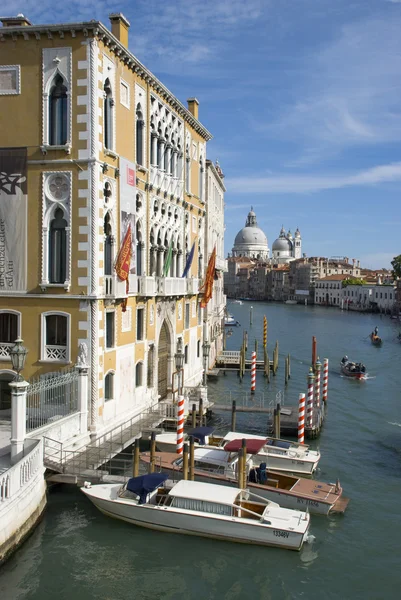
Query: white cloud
x=347, y=93
x=303, y=184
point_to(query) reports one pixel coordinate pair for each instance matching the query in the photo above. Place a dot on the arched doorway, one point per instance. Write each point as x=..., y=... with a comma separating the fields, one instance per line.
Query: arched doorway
x=162, y=366
x=5, y=394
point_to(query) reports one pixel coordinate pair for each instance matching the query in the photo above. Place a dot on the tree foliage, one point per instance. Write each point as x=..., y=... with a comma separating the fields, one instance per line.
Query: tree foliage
x=353, y=281
x=396, y=264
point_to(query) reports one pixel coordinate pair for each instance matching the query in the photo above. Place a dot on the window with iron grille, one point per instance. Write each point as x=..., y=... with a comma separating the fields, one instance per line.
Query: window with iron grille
x=109, y=387
x=110, y=329
x=187, y=315
x=140, y=324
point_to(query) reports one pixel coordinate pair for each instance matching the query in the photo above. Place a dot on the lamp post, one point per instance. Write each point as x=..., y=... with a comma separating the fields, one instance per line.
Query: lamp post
x=18, y=356
x=18, y=401
x=206, y=350
x=179, y=364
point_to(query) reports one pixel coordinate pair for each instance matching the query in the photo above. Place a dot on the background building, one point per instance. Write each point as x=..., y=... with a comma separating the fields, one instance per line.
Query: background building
x=250, y=241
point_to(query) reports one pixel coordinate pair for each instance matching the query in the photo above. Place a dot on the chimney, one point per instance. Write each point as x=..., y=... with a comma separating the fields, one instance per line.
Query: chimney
x=119, y=27
x=18, y=21
x=358, y=264
x=193, y=107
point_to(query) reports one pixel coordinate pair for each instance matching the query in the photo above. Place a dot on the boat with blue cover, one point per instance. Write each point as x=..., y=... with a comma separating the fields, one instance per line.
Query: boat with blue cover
x=216, y=465
x=201, y=509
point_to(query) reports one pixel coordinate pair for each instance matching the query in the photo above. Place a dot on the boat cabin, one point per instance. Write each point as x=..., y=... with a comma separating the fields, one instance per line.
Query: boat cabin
x=213, y=460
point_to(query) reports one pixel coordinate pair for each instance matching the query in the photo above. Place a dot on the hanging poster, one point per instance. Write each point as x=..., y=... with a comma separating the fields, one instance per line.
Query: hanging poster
x=13, y=219
x=128, y=205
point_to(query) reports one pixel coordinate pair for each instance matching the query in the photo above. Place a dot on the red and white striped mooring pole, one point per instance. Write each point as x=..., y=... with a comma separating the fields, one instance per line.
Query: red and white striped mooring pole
x=301, y=419
x=253, y=372
x=325, y=378
x=318, y=368
x=309, y=406
x=180, y=425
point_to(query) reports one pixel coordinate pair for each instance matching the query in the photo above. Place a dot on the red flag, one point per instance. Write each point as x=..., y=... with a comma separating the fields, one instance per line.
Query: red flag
x=207, y=287
x=123, y=262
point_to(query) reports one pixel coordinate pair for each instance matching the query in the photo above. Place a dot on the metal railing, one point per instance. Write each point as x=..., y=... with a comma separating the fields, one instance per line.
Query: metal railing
x=51, y=397
x=104, y=448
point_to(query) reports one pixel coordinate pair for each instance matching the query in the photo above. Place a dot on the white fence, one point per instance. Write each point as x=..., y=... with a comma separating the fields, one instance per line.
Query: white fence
x=20, y=474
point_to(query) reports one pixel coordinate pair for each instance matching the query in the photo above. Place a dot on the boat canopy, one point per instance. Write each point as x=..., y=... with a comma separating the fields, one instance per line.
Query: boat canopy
x=207, y=492
x=145, y=484
x=252, y=446
x=200, y=433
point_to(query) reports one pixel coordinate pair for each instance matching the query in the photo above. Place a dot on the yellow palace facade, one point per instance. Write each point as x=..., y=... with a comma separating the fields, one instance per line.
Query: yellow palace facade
x=92, y=144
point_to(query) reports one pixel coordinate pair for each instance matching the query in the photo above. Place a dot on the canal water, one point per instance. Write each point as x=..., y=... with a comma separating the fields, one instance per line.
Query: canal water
x=77, y=553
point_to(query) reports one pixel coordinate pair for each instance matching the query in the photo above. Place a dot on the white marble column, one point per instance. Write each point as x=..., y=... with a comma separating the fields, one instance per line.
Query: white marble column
x=18, y=418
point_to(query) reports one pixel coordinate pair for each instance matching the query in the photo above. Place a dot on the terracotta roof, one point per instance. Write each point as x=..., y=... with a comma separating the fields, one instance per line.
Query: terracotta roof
x=333, y=278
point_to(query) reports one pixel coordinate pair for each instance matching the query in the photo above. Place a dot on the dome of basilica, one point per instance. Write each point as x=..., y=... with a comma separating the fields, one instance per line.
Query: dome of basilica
x=251, y=240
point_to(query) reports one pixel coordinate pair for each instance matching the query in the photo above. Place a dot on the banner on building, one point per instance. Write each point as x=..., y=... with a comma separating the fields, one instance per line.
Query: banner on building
x=128, y=206
x=207, y=287
x=13, y=219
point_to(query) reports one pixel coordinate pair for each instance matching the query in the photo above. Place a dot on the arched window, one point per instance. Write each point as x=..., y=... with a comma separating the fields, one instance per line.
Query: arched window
x=139, y=374
x=58, y=248
x=55, y=337
x=58, y=112
x=108, y=246
x=109, y=387
x=201, y=179
x=140, y=124
x=188, y=172
x=9, y=331
x=139, y=249
x=108, y=115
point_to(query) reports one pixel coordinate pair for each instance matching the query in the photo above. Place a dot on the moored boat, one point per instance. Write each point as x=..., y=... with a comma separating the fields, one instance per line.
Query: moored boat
x=352, y=369
x=278, y=454
x=201, y=509
x=230, y=321
x=215, y=465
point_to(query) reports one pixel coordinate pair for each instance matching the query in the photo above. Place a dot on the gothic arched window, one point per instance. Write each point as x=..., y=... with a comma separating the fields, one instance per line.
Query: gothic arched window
x=58, y=248
x=108, y=243
x=108, y=115
x=58, y=112
x=140, y=124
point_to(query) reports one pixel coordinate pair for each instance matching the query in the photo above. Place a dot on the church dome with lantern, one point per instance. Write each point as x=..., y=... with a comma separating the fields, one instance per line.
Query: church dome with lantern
x=251, y=241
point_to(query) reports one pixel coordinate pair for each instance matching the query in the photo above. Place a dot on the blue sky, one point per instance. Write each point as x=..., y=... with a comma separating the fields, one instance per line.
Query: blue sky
x=303, y=98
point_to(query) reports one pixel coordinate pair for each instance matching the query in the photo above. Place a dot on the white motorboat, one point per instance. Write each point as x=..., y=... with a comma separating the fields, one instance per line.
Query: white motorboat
x=291, y=302
x=167, y=442
x=236, y=301
x=215, y=465
x=201, y=509
x=279, y=455
x=231, y=321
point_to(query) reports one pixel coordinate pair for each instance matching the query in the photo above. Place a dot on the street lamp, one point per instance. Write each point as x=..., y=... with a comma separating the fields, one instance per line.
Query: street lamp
x=179, y=363
x=206, y=350
x=18, y=356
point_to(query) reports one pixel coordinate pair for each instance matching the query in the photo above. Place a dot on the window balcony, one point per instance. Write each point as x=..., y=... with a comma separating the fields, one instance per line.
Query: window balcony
x=221, y=264
x=147, y=286
x=171, y=286
x=192, y=285
x=56, y=353
x=5, y=350
x=115, y=288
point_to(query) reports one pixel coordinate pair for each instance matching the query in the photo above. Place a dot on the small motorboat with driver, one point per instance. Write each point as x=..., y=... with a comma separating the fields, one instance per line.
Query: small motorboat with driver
x=375, y=339
x=353, y=369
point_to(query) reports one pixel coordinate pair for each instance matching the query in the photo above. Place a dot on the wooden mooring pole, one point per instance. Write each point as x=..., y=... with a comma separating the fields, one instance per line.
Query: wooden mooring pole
x=193, y=416
x=286, y=371
x=314, y=351
x=289, y=366
x=200, y=412
x=233, y=415
x=152, y=452
x=278, y=412
x=192, y=458
x=185, y=462
x=135, y=459
x=240, y=467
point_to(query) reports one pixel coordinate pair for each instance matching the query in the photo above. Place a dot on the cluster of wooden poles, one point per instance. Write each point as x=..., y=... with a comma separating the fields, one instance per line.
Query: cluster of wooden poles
x=266, y=360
